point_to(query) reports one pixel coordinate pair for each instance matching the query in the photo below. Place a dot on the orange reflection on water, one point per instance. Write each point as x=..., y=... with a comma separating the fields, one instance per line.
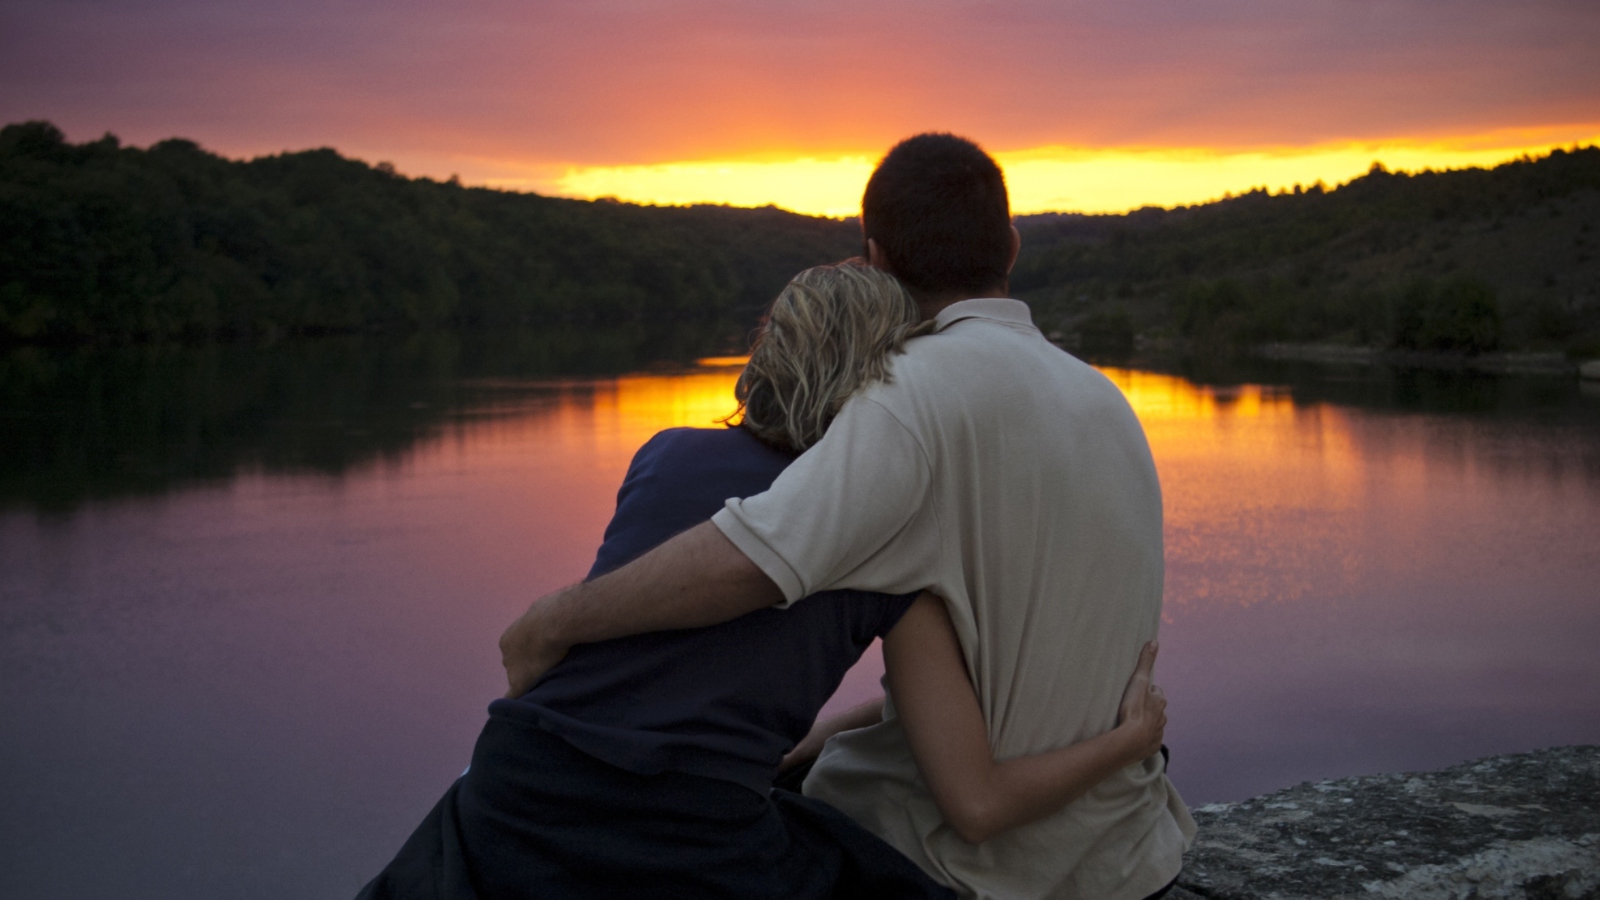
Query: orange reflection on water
x=1264, y=500
x=595, y=424
x=721, y=362
x=1242, y=470
x=644, y=404
x=1261, y=495
x=1157, y=397
x=546, y=459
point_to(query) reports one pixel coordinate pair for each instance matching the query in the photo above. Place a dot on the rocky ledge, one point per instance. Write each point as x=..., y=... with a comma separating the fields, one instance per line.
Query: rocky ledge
x=1520, y=826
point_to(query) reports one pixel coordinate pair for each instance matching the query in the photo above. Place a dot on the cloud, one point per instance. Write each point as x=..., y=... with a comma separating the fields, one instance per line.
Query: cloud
x=486, y=87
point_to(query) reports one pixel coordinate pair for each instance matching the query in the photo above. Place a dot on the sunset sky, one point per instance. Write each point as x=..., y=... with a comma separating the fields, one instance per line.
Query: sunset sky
x=1089, y=106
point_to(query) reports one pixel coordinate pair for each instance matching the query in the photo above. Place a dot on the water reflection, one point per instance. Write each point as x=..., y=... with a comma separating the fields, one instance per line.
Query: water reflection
x=1234, y=460
x=1370, y=587
x=86, y=424
x=250, y=684
x=249, y=598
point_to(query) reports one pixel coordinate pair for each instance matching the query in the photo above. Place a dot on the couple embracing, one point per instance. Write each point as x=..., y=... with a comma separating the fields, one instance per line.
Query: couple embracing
x=914, y=462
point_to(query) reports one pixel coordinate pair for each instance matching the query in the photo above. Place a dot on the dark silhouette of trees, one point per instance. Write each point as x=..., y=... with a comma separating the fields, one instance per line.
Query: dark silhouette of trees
x=99, y=241
x=104, y=242
x=1457, y=315
x=1466, y=261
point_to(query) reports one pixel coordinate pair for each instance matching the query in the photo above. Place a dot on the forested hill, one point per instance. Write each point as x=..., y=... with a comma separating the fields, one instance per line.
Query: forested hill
x=98, y=240
x=1470, y=261
x=103, y=241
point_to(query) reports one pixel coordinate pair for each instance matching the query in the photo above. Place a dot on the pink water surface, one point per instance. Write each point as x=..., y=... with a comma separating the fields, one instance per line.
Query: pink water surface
x=256, y=689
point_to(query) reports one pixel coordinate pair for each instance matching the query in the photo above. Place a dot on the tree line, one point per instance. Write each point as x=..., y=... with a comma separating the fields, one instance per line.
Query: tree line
x=1466, y=261
x=103, y=241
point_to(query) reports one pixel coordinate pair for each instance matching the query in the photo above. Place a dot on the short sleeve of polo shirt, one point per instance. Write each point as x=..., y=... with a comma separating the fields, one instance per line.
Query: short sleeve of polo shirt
x=837, y=508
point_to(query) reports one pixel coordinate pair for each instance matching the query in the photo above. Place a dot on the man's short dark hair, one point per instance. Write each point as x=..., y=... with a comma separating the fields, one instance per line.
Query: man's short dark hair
x=937, y=208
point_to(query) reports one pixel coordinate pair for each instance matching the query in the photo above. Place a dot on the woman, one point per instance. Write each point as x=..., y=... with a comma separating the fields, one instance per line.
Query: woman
x=643, y=766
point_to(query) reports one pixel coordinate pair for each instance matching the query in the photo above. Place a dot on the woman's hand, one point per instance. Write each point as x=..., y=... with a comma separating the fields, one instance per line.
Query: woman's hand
x=810, y=747
x=1143, y=715
x=978, y=795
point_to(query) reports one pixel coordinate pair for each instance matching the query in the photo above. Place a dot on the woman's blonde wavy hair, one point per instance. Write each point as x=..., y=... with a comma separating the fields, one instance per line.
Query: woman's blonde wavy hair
x=829, y=334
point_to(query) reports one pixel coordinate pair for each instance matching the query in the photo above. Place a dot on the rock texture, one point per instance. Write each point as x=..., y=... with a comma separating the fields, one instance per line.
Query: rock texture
x=1519, y=826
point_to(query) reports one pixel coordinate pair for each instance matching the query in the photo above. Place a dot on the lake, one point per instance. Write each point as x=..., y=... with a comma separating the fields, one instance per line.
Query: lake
x=250, y=597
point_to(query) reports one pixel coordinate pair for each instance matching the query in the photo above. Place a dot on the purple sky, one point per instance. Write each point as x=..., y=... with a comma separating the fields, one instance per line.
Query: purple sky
x=480, y=86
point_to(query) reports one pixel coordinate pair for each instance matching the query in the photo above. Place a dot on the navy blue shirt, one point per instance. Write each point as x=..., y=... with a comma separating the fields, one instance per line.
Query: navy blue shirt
x=726, y=701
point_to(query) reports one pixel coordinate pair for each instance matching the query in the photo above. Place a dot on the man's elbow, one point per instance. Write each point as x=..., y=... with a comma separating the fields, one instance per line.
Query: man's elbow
x=721, y=560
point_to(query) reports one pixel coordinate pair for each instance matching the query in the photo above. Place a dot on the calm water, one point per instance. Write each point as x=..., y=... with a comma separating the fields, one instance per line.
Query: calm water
x=249, y=598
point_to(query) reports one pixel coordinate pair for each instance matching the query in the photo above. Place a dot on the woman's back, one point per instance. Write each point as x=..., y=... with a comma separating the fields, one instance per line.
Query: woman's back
x=726, y=701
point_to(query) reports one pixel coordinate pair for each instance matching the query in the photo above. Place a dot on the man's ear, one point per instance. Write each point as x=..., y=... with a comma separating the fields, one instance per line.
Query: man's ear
x=876, y=256
x=1016, y=247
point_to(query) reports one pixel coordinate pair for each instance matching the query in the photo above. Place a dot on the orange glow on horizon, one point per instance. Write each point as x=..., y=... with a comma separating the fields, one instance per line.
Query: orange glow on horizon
x=1054, y=178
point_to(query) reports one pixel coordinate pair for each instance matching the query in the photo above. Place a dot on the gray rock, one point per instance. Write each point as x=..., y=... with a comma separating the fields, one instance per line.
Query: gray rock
x=1520, y=826
x=1590, y=370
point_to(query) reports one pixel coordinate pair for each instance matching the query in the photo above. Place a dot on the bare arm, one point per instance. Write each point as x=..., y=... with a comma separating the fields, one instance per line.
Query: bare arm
x=698, y=578
x=978, y=796
x=842, y=499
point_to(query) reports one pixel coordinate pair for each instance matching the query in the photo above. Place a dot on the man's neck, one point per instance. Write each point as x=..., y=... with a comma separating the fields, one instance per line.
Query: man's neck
x=932, y=306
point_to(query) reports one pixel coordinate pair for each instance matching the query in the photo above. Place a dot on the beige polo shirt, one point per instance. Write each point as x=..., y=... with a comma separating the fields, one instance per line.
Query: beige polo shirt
x=1013, y=480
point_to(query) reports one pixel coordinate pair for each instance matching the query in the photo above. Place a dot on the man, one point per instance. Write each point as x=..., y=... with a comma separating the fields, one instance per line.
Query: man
x=994, y=470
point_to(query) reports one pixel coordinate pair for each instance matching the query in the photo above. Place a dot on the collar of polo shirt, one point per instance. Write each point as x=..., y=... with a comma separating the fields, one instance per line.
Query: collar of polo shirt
x=1000, y=308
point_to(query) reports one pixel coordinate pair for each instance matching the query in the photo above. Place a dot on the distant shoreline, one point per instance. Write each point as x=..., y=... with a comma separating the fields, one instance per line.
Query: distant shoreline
x=1500, y=363
x=1524, y=363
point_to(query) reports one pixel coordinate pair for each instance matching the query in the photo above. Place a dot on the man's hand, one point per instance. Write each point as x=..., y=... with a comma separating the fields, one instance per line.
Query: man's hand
x=1143, y=714
x=526, y=648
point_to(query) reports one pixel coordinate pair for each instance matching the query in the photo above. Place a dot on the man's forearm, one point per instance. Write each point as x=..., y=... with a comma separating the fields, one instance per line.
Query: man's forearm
x=698, y=578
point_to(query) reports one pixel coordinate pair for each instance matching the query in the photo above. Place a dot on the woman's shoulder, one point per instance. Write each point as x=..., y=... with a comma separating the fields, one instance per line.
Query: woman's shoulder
x=681, y=465
x=704, y=446
x=684, y=436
